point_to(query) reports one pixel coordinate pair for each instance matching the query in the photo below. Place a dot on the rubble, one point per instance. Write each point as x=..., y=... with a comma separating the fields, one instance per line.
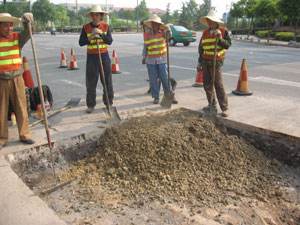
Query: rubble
x=180, y=156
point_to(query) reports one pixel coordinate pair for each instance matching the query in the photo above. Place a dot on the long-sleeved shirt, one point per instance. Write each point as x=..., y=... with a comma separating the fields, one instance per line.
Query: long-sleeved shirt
x=224, y=42
x=83, y=39
x=24, y=37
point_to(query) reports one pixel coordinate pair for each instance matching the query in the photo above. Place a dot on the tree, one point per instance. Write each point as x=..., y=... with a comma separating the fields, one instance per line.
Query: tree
x=189, y=14
x=250, y=6
x=237, y=11
x=166, y=18
x=15, y=8
x=61, y=17
x=203, y=11
x=267, y=11
x=43, y=12
x=142, y=11
x=290, y=9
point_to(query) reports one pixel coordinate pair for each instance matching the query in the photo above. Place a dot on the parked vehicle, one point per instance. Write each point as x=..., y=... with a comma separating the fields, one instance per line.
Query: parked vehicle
x=180, y=34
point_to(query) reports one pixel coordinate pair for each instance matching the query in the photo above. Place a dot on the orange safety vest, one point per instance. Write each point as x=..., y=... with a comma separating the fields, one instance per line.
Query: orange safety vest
x=92, y=46
x=10, y=54
x=208, y=42
x=156, y=44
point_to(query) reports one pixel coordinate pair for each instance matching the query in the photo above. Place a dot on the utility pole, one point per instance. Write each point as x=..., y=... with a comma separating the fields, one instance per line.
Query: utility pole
x=107, y=16
x=76, y=7
x=137, y=16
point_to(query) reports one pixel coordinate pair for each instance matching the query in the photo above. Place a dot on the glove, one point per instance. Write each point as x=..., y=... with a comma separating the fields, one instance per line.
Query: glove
x=27, y=18
x=218, y=33
x=97, y=31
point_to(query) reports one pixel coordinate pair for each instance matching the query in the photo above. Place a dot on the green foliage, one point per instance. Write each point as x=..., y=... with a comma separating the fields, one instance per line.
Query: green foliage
x=16, y=9
x=141, y=11
x=284, y=36
x=267, y=10
x=263, y=33
x=290, y=9
x=61, y=18
x=43, y=12
x=166, y=18
x=189, y=14
x=122, y=24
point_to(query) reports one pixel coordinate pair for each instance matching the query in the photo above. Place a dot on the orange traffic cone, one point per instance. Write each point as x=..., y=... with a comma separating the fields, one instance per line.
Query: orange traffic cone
x=73, y=61
x=115, y=68
x=199, y=79
x=27, y=77
x=242, y=86
x=63, y=60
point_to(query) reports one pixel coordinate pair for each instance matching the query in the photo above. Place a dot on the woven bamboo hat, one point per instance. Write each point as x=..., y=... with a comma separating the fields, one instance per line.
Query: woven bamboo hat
x=97, y=9
x=6, y=17
x=211, y=16
x=153, y=18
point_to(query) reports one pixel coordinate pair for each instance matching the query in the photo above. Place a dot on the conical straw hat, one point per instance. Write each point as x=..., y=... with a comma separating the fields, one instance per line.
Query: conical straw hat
x=153, y=18
x=211, y=16
x=96, y=9
x=6, y=17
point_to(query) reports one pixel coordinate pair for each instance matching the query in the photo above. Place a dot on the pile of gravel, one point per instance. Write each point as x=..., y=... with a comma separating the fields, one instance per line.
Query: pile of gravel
x=180, y=156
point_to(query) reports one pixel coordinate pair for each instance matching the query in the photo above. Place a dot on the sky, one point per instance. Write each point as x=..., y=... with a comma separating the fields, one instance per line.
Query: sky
x=221, y=5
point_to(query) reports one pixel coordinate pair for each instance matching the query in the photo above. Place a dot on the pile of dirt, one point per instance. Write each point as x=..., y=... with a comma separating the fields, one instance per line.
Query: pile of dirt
x=180, y=156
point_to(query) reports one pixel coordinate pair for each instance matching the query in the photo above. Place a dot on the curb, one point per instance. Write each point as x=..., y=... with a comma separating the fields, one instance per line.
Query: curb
x=267, y=44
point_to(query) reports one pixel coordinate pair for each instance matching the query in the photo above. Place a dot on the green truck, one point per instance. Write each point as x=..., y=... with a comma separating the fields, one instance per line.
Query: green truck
x=181, y=34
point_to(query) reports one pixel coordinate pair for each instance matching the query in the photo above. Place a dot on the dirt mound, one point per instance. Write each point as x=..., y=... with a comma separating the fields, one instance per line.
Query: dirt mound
x=179, y=155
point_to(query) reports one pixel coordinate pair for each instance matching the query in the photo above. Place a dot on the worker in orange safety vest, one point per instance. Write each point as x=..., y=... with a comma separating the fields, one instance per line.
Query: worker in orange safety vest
x=12, y=88
x=212, y=47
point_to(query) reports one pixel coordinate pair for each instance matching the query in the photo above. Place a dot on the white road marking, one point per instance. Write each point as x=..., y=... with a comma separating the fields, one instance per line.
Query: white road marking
x=57, y=62
x=277, y=81
x=72, y=83
x=183, y=68
x=261, y=79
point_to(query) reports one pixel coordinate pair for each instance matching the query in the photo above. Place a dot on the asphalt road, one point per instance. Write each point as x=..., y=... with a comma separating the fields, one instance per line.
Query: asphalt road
x=273, y=71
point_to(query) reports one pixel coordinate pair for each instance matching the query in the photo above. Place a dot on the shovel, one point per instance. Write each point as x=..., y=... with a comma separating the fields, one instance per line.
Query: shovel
x=213, y=78
x=71, y=103
x=110, y=110
x=38, y=77
x=166, y=102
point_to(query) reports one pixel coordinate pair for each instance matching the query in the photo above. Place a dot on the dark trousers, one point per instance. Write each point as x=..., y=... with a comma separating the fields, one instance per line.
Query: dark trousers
x=218, y=86
x=92, y=75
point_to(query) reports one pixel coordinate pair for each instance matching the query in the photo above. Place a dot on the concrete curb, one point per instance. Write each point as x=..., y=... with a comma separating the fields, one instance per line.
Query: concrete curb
x=268, y=44
x=18, y=204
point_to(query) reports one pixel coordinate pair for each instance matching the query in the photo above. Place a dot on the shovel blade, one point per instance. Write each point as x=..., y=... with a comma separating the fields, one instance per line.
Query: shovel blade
x=112, y=113
x=166, y=102
x=73, y=102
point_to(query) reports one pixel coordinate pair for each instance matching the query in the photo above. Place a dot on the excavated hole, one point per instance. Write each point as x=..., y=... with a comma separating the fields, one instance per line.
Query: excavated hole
x=166, y=169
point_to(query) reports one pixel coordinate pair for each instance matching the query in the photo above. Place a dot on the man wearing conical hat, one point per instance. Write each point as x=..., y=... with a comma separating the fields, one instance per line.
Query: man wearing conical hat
x=97, y=31
x=12, y=87
x=214, y=42
x=155, y=57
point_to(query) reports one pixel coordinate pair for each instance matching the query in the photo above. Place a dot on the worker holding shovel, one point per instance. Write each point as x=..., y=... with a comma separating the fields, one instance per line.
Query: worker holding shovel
x=155, y=56
x=97, y=36
x=213, y=44
x=12, y=88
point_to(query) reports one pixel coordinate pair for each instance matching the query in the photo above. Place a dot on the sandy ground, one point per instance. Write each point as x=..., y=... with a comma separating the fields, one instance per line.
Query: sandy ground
x=178, y=168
